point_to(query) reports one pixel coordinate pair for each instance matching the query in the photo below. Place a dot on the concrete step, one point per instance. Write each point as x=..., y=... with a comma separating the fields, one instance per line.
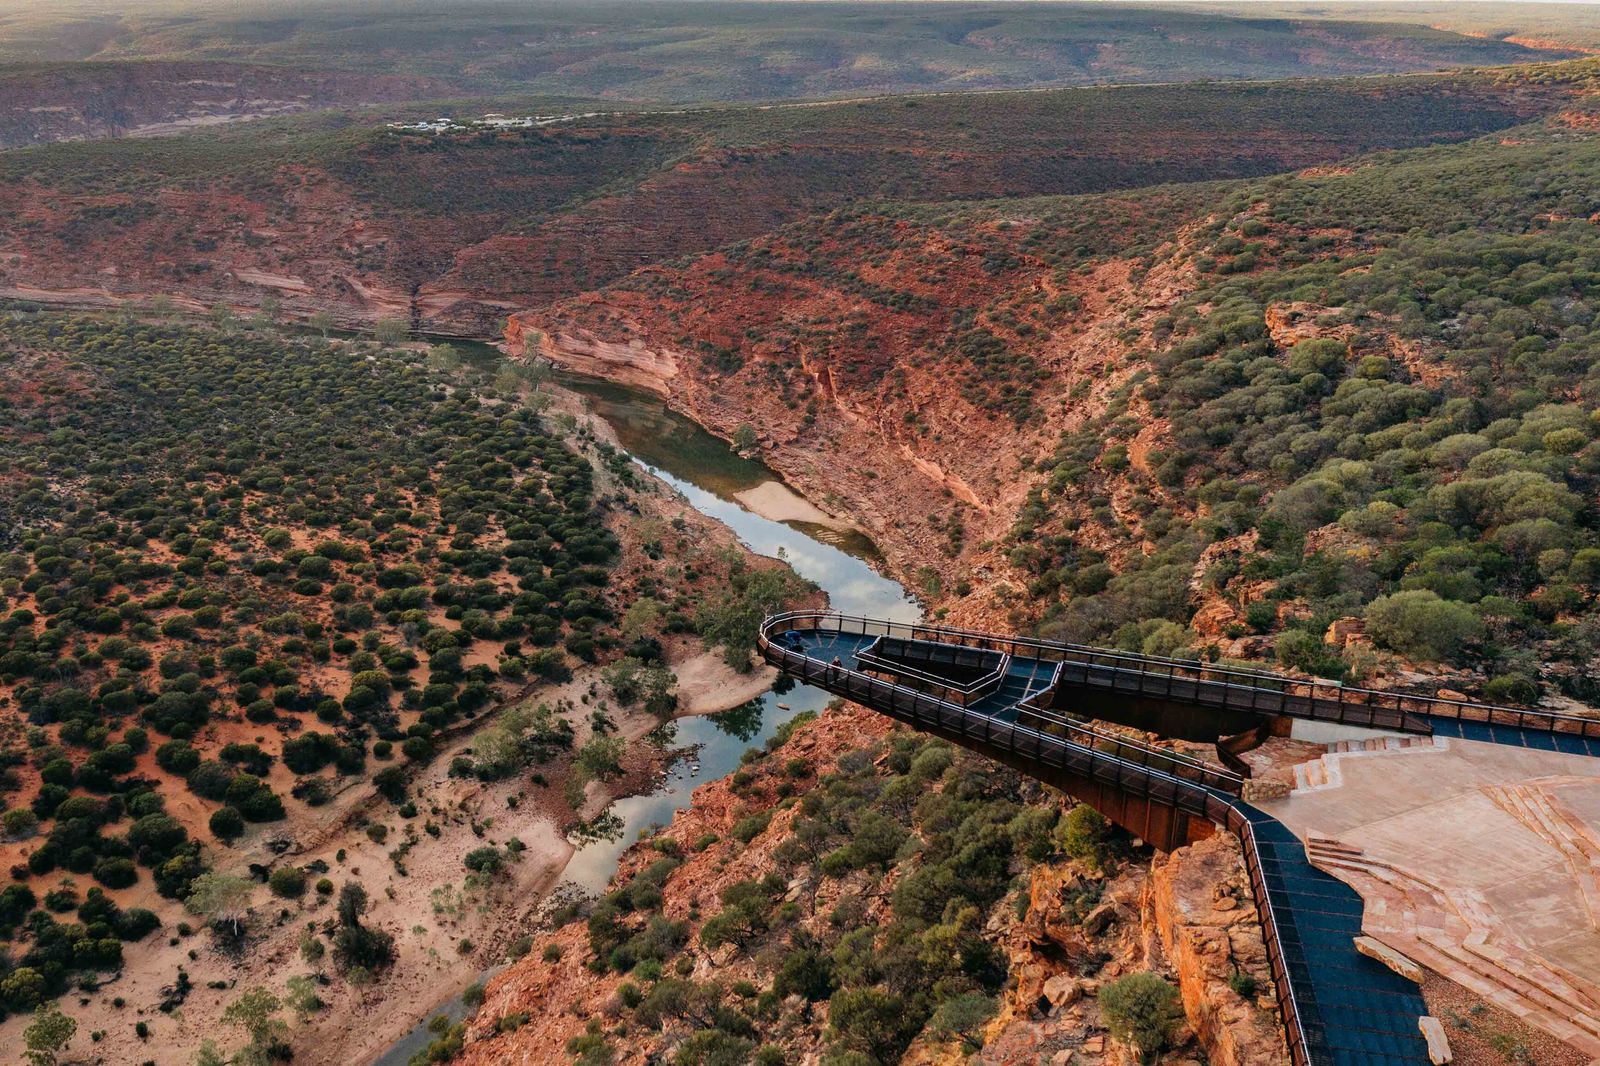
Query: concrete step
x=1546, y=996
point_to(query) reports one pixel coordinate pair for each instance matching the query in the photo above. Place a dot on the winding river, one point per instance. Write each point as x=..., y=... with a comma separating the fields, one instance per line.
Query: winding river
x=714, y=479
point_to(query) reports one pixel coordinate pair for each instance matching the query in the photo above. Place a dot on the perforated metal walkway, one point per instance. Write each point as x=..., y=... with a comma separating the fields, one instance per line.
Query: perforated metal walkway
x=1349, y=1009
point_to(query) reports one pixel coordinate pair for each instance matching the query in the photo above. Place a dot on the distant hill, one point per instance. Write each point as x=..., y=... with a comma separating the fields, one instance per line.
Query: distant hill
x=674, y=51
x=456, y=227
x=1559, y=25
x=88, y=101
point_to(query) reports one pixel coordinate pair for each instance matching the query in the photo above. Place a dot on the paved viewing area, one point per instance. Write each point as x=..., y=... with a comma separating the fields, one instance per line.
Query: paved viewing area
x=1462, y=839
x=1477, y=860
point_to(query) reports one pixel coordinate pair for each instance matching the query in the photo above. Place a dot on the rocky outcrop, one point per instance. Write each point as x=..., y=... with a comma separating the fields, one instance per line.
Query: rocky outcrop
x=631, y=362
x=1073, y=931
x=1199, y=905
x=1187, y=916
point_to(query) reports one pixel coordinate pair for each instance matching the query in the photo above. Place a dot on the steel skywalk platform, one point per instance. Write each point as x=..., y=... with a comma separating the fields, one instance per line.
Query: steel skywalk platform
x=1014, y=700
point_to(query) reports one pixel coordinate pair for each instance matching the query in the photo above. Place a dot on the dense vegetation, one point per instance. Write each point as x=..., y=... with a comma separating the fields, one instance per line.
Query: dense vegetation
x=244, y=567
x=1421, y=451
x=905, y=850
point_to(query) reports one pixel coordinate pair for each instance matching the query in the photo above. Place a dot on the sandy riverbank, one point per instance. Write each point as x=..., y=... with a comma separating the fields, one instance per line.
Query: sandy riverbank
x=777, y=501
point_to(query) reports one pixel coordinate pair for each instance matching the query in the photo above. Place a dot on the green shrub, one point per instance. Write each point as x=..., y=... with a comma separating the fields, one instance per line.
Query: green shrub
x=1143, y=1010
x=750, y=826
x=287, y=881
x=1086, y=835
x=1420, y=624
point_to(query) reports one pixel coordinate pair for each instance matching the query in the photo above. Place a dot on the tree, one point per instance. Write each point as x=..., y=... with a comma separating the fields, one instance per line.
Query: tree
x=486, y=860
x=391, y=331
x=322, y=322
x=48, y=1033
x=255, y=1011
x=632, y=681
x=745, y=439
x=226, y=823
x=444, y=357
x=713, y=1047
x=874, y=841
x=1141, y=1009
x=734, y=621
x=352, y=902
x=356, y=947
x=600, y=758
x=22, y=987
x=219, y=897
x=509, y=379
x=964, y=1016
x=1420, y=624
x=303, y=998
x=19, y=823
x=871, y=1021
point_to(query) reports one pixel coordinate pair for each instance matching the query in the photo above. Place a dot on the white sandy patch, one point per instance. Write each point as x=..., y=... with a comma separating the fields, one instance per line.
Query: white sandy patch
x=776, y=501
x=708, y=685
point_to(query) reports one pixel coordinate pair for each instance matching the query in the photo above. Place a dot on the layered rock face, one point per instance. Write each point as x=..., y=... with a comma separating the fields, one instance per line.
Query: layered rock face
x=1198, y=903
x=1187, y=916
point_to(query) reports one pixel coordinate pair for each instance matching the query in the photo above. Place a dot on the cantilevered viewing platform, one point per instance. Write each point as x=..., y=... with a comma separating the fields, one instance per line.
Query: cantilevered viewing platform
x=1043, y=708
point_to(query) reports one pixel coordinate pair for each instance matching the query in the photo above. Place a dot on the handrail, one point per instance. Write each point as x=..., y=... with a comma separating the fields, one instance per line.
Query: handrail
x=920, y=708
x=1350, y=704
x=1272, y=938
x=1179, y=766
x=1209, y=802
x=1227, y=778
x=990, y=680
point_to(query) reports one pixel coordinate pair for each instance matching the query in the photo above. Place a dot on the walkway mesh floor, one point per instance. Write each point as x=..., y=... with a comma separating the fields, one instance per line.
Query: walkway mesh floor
x=1515, y=737
x=1355, y=1011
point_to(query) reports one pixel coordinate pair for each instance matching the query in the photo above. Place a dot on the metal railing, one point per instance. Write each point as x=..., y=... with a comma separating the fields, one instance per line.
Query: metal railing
x=1118, y=765
x=1176, y=763
x=1225, y=687
x=1294, y=1029
x=1089, y=750
x=958, y=692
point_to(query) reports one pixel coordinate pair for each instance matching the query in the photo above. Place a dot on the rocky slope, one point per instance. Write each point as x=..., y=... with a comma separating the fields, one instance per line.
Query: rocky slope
x=453, y=229
x=859, y=344
x=1172, y=418
x=1063, y=930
